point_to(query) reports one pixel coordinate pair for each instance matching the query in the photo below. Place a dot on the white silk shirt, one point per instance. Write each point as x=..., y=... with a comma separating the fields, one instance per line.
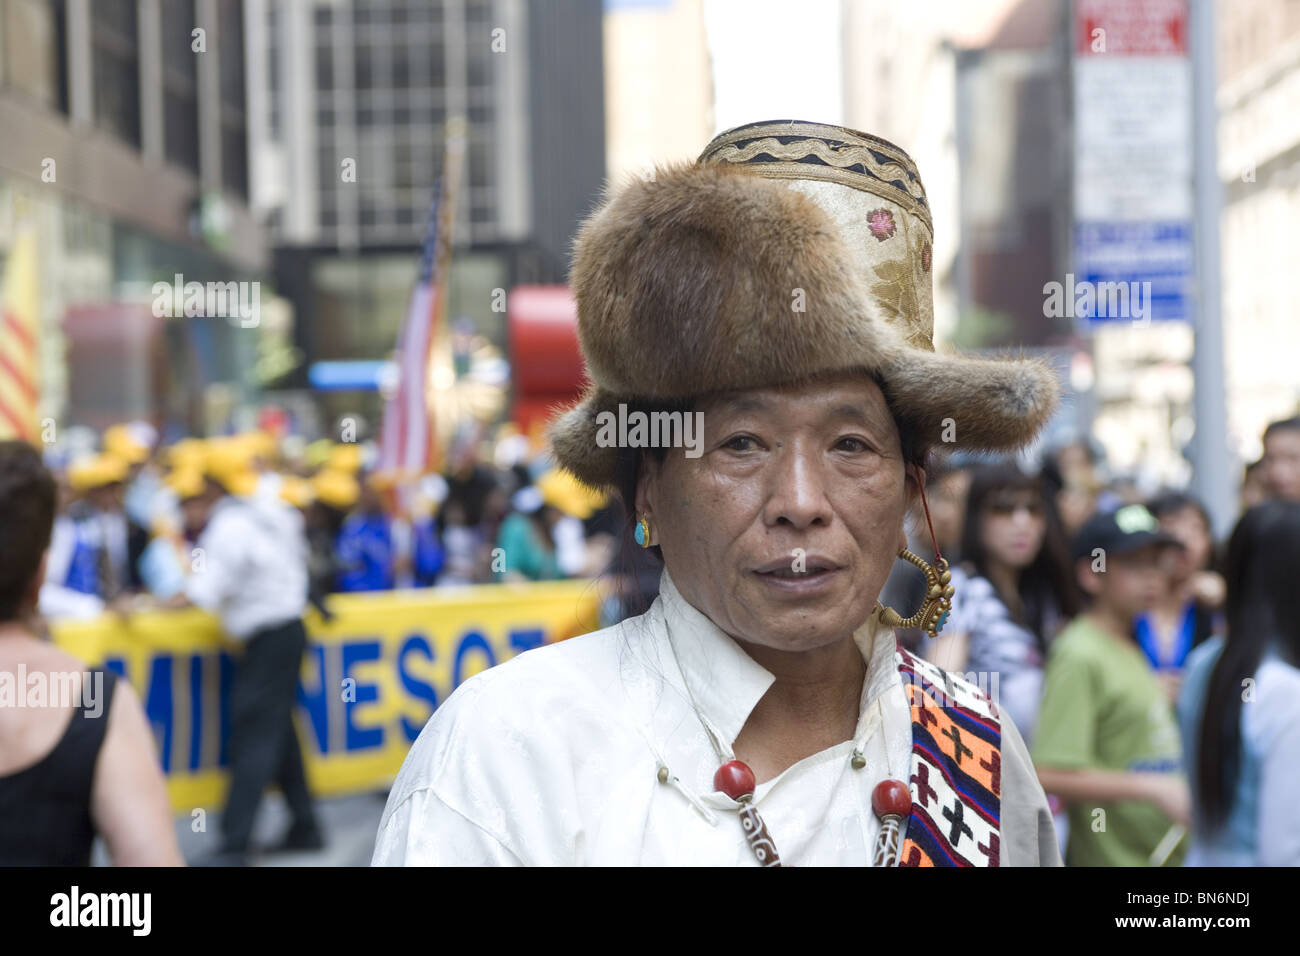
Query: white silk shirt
x=554, y=757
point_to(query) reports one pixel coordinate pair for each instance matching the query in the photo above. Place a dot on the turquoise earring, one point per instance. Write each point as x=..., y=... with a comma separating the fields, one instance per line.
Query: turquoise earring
x=642, y=532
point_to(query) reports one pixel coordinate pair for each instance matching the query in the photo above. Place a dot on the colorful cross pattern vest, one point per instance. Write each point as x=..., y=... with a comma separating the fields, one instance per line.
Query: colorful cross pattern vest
x=955, y=773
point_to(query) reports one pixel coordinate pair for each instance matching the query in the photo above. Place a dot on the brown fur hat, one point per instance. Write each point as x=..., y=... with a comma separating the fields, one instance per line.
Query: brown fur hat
x=712, y=278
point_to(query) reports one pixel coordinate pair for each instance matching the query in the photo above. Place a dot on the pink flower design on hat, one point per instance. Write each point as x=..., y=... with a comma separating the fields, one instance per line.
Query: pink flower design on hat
x=881, y=223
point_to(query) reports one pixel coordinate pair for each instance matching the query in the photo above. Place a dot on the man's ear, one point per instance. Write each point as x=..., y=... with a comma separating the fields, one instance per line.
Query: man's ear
x=646, y=482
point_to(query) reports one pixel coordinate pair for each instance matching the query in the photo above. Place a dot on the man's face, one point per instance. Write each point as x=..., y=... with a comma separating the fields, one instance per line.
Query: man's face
x=108, y=498
x=1131, y=583
x=1282, y=464
x=1190, y=529
x=194, y=512
x=784, y=530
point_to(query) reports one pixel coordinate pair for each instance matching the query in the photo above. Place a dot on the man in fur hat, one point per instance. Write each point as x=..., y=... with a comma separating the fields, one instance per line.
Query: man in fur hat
x=772, y=301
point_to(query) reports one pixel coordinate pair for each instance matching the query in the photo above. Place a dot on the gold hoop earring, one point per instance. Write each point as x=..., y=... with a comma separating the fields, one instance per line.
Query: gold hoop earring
x=642, y=531
x=938, y=597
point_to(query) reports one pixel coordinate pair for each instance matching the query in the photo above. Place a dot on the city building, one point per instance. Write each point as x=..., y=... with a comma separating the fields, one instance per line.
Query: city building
x=124, y=154
x=348, y=109
x=1259, y=166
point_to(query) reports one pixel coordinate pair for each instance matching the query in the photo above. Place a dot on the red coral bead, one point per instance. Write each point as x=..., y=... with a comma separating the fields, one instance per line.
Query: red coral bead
x=891, y=798
x=735, y=779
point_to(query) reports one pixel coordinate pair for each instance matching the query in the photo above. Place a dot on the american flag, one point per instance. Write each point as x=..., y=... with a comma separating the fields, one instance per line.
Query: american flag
x=19, y=321
x=410, y=442
x=405, y=440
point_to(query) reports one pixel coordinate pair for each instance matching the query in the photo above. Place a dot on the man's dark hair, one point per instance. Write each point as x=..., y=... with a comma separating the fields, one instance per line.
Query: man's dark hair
x=27, y=502
x=1285, y=425
x=1168, y=502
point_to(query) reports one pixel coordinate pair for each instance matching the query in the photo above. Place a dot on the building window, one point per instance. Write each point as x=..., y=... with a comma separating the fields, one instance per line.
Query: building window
x=115, y=45
x=180, y=85
x=234, y=128
x=34, y=58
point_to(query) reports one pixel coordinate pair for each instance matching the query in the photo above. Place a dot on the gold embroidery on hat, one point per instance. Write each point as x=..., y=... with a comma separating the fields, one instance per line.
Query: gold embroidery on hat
x=839, y=134
x=882, y=187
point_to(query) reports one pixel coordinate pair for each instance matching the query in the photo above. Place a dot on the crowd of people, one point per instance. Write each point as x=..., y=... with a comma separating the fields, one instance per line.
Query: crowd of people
x=254, y=530
x=1153, y=671
x=131, y=516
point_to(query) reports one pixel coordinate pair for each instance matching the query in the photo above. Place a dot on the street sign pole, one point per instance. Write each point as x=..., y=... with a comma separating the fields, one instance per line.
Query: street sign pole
x=1211, y=480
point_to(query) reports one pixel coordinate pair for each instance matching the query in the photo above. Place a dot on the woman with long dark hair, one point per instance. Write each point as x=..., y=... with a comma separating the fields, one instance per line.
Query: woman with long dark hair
x=1014, y=590
x=1240, y=704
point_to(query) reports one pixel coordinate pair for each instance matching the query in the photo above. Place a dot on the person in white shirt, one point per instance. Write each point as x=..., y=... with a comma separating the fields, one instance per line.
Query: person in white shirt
x=757, y=329
x=250, y=569
x=1239, y=704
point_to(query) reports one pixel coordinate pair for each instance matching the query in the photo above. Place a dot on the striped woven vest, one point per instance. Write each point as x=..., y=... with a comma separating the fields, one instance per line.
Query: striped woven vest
x=955, y=772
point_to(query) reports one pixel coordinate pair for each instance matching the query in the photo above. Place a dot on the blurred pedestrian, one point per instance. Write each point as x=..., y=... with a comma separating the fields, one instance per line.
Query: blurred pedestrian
x=427, y=555
x=132, y=444
x=1073, y=473
x=80, y=761
x=254, y=577
x=1185, y=615
x=950, y=484
x=334, y=493
x=1014, y=590
x=1254, y=489
x=462, y=543
x=365, y=545
x=1282, y=459
x=1106, y=742
x=526, y=542
x=89, y=548
x=1240, y=705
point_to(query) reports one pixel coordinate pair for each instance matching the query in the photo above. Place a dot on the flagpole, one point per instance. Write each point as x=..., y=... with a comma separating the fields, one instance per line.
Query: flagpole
x=441, y=375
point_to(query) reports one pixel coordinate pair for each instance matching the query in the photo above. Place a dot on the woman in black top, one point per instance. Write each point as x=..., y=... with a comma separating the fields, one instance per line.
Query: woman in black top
x=77, y=757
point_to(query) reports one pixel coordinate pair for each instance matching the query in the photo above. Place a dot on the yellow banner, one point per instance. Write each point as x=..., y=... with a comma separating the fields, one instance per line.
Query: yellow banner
x=370, y=678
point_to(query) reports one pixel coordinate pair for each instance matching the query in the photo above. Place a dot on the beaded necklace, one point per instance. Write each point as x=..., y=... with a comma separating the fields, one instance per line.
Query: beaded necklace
x=891, y=799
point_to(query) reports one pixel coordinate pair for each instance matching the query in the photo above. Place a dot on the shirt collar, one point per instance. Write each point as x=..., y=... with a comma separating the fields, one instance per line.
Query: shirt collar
x=726, y=684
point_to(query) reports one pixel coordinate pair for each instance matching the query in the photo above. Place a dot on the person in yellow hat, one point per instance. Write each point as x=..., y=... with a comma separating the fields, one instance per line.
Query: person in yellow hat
x=91, y=550
x=365, y=544
x=170, y=555
x=127, y=445
x=142, y=493
x=254, y=576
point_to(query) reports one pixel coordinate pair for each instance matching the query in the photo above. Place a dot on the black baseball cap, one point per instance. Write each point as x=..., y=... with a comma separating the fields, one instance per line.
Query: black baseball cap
x=1124, y=530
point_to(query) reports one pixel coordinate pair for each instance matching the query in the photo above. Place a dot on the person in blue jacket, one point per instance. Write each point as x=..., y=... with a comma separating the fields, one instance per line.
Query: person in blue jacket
x=365, y=546
x=429, y=556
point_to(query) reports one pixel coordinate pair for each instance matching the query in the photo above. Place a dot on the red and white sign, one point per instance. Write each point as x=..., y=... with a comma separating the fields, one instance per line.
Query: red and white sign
x=1132, y=111
x=1130, y=27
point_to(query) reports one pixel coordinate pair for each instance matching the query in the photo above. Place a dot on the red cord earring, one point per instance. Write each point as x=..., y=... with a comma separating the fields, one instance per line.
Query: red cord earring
x=937, y=605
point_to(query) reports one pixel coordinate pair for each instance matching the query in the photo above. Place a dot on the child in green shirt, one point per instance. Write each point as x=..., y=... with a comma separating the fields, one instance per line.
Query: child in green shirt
x=1107, y=741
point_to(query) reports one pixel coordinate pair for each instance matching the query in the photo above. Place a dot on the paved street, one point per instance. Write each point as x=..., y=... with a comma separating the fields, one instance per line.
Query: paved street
x=350, y=824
